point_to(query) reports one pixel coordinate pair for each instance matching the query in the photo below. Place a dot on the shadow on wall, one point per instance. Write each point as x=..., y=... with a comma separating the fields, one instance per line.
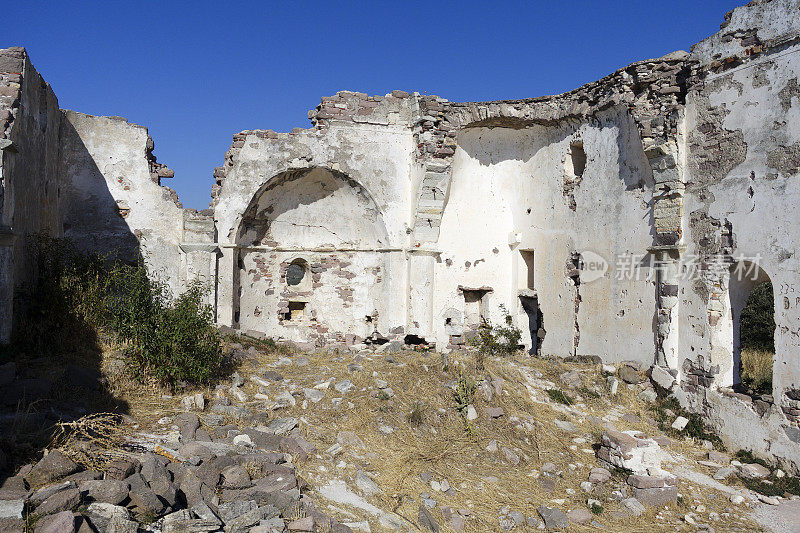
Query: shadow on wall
x=55, y=369
x=92, y=217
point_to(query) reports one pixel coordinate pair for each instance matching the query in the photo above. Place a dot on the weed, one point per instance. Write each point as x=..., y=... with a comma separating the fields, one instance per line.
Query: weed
x=773, y=485
x=747, y=457
x=588, y=393
x=497, y=339
x=416, y=416
x=757, y=369
x=558, y=396
x=695, y=428
x=464, y=393
x=596, y=508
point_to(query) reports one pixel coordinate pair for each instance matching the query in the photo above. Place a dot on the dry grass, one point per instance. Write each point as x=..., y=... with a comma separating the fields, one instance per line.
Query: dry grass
x=442, y=445
x=757, y=369
x=429, y=433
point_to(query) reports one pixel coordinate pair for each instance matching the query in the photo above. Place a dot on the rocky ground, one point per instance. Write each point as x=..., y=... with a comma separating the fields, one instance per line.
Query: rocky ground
x=389, y=439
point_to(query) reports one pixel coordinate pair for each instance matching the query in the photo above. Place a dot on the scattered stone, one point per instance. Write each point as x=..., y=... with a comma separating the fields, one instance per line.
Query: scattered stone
x=344, y=386
x=579, y=516
x=553, y=518
x=737, y=499
x=472, y=414
x=494, y=412
x=11, y=508
x=631, y=372
x=52, y=467
x=113, y=491
x=313, y=395
x=281, y=426
x=62, y=522
x=633, y=506
x=662, y=377
x=680, y=423
x=753, y=471
x=64, y=500
x=366, y=485
x=571, y=379
x=426, y=520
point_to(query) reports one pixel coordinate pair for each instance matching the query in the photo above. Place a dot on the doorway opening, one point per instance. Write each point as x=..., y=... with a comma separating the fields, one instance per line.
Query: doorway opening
x=757, y=340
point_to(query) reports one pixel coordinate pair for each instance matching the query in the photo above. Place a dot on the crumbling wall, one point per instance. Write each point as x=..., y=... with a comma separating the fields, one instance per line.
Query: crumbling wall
x=507, y=194
x=742, y=195
x=30, y=189
x=340, y=194
x=112, y=198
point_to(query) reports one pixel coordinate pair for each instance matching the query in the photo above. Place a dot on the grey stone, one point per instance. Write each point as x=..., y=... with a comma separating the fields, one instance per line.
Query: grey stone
x=344, y=386
x=313, y=395
x=426, y=520
x=281, y=426
x=571, y=379
x=113, y=491
x=271, y=375
x=633, y=506
x=662, y=378
x=62, y=522
x=11, y=508
x=628, y=374
x=45, y=492
x=52, y=467
x=579, y=516
x=65, y=500
x=553, y=518
x=366, y=484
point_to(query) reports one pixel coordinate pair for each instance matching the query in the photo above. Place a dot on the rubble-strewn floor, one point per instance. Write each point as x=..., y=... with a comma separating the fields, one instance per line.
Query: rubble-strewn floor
x=394, y=440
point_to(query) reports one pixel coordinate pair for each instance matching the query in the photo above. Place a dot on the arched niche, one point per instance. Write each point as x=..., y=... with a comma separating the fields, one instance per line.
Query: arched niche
x=312, y=208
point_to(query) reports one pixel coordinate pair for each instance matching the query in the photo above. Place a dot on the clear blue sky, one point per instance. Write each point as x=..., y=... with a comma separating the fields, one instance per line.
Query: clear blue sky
x=197, y=72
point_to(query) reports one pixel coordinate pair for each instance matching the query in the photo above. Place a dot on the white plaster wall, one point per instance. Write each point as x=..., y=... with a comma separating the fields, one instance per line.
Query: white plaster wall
x=379, y=159
x=511, y=181
x=760, y=202
x=103, y=167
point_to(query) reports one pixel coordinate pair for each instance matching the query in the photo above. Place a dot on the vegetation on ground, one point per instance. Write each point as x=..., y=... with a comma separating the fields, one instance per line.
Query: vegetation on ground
x=757, y=339
x=75, y=298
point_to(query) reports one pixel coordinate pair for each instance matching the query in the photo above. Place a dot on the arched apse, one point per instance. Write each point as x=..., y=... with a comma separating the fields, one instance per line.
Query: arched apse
x=329, y=224
x=312, y=208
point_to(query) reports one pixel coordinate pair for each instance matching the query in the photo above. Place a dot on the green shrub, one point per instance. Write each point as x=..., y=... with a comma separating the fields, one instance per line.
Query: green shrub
x=758, y=320
x=75, y=296
x=558, y=396
x=498, y=340
x=173, y=341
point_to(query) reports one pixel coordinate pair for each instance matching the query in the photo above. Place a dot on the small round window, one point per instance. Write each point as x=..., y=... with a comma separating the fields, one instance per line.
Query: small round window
x=295, y=274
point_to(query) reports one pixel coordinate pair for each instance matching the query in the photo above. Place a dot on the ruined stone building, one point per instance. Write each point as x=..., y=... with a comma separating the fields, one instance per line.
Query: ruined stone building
x=614, y=220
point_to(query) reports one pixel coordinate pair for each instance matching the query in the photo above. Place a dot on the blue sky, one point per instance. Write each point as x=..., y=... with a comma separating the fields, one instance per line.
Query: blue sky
x=197, y=72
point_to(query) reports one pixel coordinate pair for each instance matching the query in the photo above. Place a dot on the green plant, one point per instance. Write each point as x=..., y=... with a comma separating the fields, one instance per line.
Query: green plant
x=774, y=485
x=558, y=396
x=596, y=508
x=695, y=427
x=498, y=339
x=173, y=341
x=747, y=457
x=758, y=319
x=464, y=393
x=589, y=393
x=417, y=414
x=74, y=297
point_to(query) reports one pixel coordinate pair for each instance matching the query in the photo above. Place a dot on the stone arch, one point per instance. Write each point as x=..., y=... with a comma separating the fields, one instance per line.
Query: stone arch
x=294, y=205
x=743, y=277
x=328, y=225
